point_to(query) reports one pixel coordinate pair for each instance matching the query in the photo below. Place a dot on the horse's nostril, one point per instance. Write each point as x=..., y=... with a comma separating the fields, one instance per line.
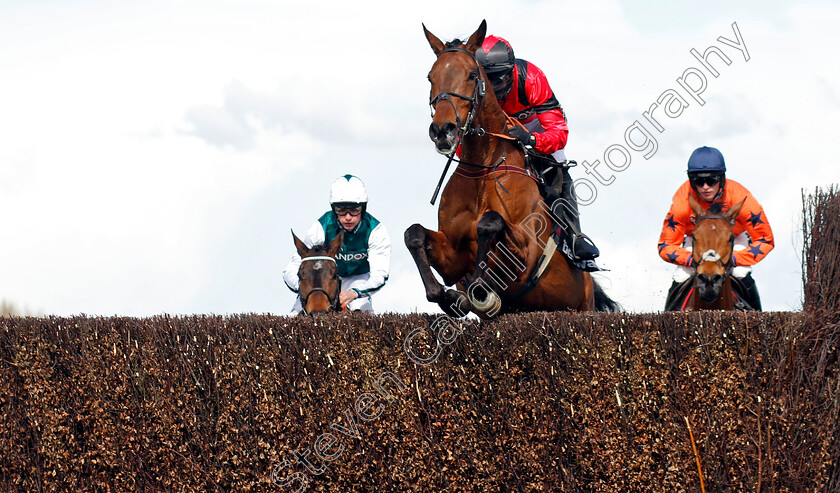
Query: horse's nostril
x=448, y=129
x=433, y=131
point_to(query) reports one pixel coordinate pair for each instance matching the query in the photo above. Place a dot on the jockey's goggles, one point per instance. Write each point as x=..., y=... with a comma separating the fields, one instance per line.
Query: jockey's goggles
x=353, y=210
x=699, y=181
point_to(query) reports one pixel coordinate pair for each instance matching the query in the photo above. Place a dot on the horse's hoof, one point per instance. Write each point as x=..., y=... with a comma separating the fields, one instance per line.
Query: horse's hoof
x=454, y=304
x=487, y=308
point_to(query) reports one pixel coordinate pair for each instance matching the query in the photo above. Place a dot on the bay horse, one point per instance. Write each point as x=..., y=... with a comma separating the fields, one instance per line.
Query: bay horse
x=712, y=249
x=318, y=275
x=486, y=239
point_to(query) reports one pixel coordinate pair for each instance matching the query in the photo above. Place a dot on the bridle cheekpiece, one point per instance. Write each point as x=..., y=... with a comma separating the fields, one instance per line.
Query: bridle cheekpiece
x=712, y=256
x=479, y=92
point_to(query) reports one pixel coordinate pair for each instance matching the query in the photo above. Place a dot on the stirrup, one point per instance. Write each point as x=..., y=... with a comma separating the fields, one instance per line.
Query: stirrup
x=595, y=252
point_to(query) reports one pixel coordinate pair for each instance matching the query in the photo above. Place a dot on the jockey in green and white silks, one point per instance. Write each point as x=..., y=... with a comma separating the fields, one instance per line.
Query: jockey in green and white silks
x=365, y=257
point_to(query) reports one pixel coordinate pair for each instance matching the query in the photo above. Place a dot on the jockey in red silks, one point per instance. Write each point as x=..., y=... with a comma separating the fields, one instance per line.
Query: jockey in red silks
x=708, y=184
x=524, y=93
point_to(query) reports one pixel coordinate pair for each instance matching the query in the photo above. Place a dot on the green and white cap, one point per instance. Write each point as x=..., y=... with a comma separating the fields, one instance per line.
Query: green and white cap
x=348, y=189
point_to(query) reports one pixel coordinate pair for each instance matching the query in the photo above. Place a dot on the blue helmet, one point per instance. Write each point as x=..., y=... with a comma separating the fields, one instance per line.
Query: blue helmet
x=706, y=160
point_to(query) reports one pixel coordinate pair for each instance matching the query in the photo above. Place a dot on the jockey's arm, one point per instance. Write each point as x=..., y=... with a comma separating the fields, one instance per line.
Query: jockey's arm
x=671, y=240
x=379, y=259
x=540, y=96
x=314, y=236
x=556, y=132
x=755, y=222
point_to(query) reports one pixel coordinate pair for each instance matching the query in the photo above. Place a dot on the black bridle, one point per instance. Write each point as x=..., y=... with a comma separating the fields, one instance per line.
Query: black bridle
x=463, y=127
x=478, y=92
x=334, y=299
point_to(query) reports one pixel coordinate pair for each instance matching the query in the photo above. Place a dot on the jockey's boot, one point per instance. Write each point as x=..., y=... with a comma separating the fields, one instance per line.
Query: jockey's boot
x=582, y=247
x=552, y=181
x=677, y=294
x=749, y=291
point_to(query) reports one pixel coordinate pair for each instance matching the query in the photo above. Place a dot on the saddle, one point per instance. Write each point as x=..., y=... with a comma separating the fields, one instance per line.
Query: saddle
x=549, y=176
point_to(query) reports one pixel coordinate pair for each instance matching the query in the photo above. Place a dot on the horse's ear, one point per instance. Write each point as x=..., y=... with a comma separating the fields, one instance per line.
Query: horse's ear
x=696, y=207
x=436, y=44
x=335, y=245
x=733, y=211
x=477, y=38
x=302, y=249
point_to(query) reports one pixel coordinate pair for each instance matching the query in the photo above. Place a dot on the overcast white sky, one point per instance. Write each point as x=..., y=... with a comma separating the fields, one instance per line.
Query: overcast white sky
x=154, y=155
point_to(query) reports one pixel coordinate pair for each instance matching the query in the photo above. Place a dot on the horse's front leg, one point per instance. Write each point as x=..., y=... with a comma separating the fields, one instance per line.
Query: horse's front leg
x=432, y=249
x=482, y=295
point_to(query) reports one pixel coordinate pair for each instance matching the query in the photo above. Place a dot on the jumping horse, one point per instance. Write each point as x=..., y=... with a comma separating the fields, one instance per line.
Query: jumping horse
x=712, y=249
x=320, y=284
x=491, y=235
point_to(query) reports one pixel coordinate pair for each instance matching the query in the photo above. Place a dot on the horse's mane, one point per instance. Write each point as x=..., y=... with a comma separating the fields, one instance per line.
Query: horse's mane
x=319, y=250
x=716, y=208
x=454, y=43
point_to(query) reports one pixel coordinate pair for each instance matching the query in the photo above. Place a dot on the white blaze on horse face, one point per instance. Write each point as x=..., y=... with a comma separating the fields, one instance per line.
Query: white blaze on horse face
x=318, y=265
x=711, y=256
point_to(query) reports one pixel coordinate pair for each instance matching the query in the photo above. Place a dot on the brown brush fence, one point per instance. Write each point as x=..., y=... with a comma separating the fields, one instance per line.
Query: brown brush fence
x=534, y=402
x=557, y=401
x=821, y=252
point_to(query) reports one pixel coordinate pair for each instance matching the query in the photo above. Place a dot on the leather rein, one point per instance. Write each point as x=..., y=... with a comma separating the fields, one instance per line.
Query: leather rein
x=465, y=128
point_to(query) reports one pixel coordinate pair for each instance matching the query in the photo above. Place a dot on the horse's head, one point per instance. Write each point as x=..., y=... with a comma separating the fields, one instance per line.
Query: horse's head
x=318, y=274
x=712, y=250
x=458, y=87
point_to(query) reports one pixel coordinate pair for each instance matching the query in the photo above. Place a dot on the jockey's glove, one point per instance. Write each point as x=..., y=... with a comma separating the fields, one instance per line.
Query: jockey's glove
x=522, y=134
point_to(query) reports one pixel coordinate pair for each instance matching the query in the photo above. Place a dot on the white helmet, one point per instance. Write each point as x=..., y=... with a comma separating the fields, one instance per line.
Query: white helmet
x=348, y=188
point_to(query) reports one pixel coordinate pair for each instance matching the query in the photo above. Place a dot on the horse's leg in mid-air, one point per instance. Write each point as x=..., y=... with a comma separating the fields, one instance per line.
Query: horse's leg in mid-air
x=423, y=244
x=488, y=229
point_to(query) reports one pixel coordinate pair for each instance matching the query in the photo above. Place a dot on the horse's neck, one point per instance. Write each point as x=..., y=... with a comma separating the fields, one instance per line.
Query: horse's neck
x=726, y=302
x=491, y=117
x=486, y=149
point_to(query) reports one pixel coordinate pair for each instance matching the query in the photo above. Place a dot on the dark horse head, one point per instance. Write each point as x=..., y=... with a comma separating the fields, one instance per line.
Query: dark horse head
x=318, y=274
x=458, y=90
x=712, y=250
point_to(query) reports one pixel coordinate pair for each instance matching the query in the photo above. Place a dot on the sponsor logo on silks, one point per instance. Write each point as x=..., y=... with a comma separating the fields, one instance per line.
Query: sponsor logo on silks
x=351, y=257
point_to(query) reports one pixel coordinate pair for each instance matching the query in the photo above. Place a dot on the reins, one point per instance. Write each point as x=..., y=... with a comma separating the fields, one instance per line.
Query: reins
x=465, y=129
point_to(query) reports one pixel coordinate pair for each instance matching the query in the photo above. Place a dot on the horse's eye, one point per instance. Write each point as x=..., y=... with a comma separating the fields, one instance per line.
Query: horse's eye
x=473, y=76
x=429, y=78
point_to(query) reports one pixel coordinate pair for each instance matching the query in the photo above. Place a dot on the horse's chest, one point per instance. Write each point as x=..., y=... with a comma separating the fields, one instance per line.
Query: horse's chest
x=459, y=226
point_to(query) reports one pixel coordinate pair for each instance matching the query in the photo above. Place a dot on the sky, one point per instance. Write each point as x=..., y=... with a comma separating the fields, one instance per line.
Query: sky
x=155, y=156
